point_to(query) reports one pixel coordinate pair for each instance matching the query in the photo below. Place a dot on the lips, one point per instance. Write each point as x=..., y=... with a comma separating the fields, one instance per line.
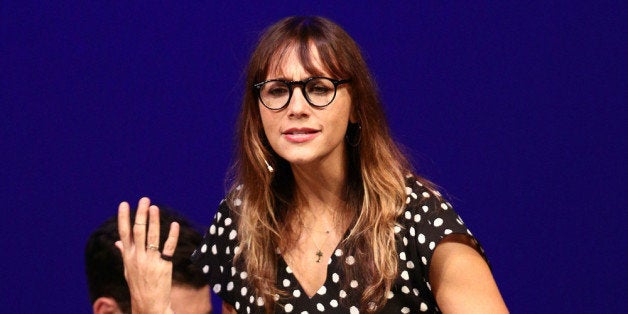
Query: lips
x=300, y=135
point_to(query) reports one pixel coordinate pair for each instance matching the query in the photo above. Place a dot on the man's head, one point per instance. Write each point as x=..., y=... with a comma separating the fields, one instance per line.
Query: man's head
x=108, y=290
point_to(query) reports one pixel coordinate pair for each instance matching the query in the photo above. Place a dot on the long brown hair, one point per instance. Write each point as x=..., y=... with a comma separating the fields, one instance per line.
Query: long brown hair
x=376, y=169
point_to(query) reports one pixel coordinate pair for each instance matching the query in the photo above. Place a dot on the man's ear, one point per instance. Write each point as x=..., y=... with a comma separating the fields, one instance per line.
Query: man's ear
x=105, y=305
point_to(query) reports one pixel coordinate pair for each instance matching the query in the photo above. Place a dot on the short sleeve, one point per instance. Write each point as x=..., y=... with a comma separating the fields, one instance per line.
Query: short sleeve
x=429, y=219
x=215, y=255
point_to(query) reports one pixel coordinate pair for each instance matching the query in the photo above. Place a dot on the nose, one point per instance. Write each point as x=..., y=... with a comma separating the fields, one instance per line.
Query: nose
x=298, y=105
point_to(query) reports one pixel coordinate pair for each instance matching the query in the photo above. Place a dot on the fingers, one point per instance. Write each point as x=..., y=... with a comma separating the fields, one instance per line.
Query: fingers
x=153, y=229
x=171, y=242
x=124, y=225
x=139, y=228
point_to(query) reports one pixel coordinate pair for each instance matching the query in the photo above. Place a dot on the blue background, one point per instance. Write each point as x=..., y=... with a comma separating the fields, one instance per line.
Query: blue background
x=516, y=110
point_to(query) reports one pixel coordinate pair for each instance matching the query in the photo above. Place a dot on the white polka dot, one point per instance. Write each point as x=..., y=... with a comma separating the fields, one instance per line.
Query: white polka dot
x=425, y=208
x=447, y=231
x=405, y=290
x=350, y=260
x=397, y=229
x=338, y=252
x=425, y=194
x=206, y=269
x=354, y=310
x=417, y=218
x=372, y=306
x=408, y=200
x=221, y=230
x=428, y=286
x=421, y=238
x=335, y=278
x=218, y=216
x=243, y=291
x=233, y=271
x=228, y=250
x=236, y=249
x=405, y=310
x=432, y=245
x=237, y=305
x=222, y=269
x=424, y=260
x=233, y=234
x=390, y=295
x=404, y=275
x=296, y=293
x=243, y=275
x=414, y=196
x=405, y=241
x=248, y=310
x=410, y=265
x=333, y=303
x=342, y=294
x=423, y=307
x=419, y=183
x=459, y=221
x=408, y=215
x=412, y=232
x=230, y=286
x=217, y=288
x=204, y=248
x=227, y=221
x=286, y=282
x=408, y=190
x=288, y=270
x=415, y=291
x=237, y=202
x=288, y=308
x=304, y=312
x=212, y=229
x=276, y=297
x=322, y=290
x=443, y=206
x=251, y=299
x=214, y=249
x=320, y=307
x=260, y=301
x=402, y=256
x=438, y=222
x=354, y=284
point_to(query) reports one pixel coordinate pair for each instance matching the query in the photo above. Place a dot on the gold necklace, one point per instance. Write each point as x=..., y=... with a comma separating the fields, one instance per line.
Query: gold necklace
x=319, y=252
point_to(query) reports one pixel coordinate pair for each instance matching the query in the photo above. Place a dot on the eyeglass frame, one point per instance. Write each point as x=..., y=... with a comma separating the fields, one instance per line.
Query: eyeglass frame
x=258, y=87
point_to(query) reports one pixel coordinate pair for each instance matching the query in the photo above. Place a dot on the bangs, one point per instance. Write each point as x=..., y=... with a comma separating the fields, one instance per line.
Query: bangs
x=306, y=49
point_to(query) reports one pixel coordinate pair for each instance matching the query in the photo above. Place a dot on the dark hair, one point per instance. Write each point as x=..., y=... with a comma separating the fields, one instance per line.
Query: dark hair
x=103, y=261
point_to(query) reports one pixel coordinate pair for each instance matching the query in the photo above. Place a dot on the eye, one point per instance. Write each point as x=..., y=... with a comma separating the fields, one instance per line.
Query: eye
x=320, y=87
x=275, y=89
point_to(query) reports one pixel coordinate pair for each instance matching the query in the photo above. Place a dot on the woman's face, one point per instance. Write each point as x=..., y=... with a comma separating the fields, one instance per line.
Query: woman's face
x=300, y=133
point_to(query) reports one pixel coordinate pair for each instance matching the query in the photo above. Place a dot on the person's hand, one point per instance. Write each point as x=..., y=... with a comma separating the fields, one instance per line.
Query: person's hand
x=147, y=272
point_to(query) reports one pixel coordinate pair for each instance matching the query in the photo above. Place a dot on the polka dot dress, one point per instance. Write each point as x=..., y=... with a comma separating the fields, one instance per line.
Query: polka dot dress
x=426, y=219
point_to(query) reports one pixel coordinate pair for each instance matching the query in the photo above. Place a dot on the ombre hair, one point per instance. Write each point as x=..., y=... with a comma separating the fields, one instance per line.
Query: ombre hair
x=376, y=167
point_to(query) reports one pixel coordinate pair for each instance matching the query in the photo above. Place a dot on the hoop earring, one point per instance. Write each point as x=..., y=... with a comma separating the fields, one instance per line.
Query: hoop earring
x=354, y=134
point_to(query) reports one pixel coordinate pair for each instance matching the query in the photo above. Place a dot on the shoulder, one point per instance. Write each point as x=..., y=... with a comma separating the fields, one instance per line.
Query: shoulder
x=423, y=198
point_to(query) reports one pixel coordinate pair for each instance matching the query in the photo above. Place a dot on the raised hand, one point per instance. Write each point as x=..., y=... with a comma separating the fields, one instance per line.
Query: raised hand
x=148, y=272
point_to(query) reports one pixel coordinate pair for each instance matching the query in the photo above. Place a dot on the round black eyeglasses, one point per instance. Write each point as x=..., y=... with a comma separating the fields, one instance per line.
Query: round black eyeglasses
x=318, y=91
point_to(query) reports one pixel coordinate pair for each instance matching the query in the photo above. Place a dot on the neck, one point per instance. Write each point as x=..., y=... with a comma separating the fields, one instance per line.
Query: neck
x=322, y=184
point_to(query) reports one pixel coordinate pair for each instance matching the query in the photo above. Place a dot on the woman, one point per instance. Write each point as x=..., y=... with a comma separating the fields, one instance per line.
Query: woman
x=325, y=213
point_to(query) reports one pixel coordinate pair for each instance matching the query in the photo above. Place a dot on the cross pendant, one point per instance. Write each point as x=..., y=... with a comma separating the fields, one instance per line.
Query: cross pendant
x=319, y=254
